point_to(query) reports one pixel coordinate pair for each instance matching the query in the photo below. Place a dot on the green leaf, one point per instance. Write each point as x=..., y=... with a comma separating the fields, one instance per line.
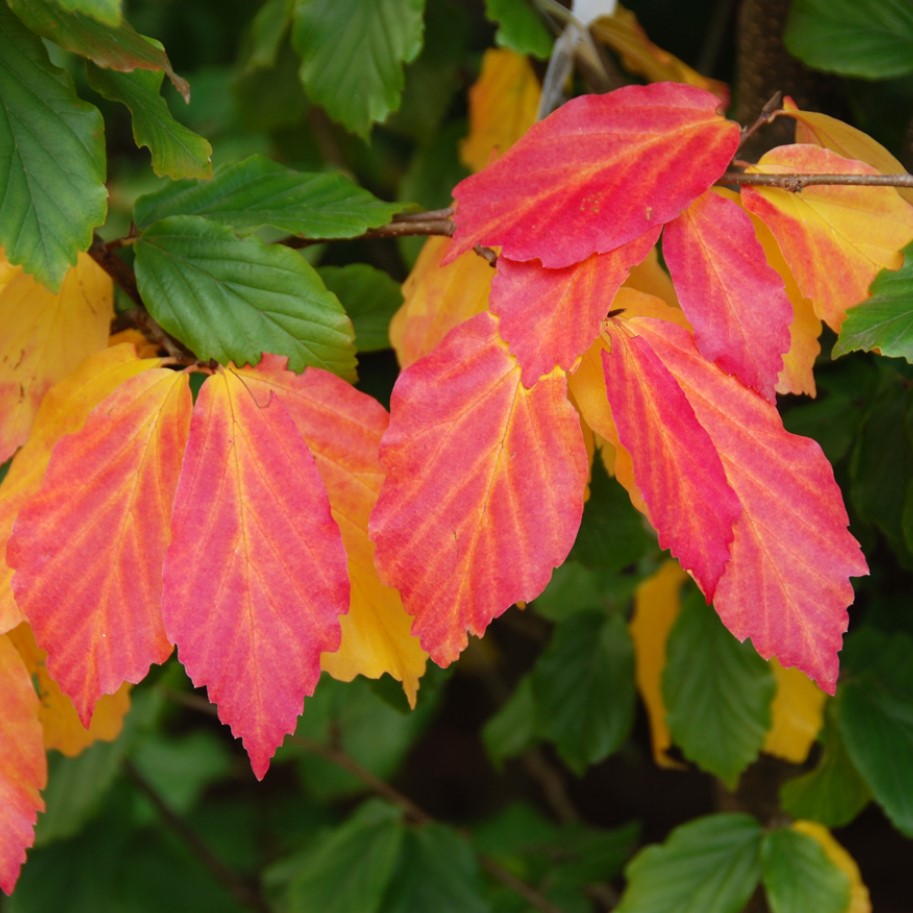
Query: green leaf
x=267, y=30
x=370, y=298
x=114, y=47
x=711, y=864
x=885, y=320
x=583, y=685
x=875, y=713
x=233, y=299
x=176, y=151
x=798, y=876
x=832, y=793
x=256, y=192
x=52, y=159
x=107, y=11
x=348, y=870
x=717, y=692
x=437, y=870
x=520, y=27
x=352, y=55
x=513, y=728
x=868, y=38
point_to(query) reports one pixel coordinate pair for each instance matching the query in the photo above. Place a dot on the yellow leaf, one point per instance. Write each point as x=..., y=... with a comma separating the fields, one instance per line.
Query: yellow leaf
x=649, y=277
x=656, y=606
x=45, y=337
x=58, y=717
x=502, y=107
x=797, y=714
x=860, y=902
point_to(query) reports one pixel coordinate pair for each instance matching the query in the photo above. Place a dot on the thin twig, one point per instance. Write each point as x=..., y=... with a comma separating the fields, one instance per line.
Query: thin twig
x=432, y=222
x=798, y=182
x=242, y=892
x=766, y=116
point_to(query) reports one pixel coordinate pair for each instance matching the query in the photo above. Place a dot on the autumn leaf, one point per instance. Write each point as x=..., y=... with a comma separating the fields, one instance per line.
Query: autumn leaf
x=549, y=317
x=736, y=303
x=599, y=172
x=23, y=768
x=343, y=427
x=860, y=902
x=484, y=485
x=797, y=715
x=786, y=584
x=88, y=547
x=45, y=337
x=63, y=411
x=834, y=238
x=255, y=575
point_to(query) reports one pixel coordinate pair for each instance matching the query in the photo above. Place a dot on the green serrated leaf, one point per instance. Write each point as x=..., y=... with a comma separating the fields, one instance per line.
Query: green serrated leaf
x=868, y=38
x=437, y=870
x=233, y=299
x=352, y=55
x=875, y=715
x=370, y=298
x=113, y=47
x=832, y=793
x=513, y=728
x=798, y=876
x=349, y=869
x=176, y=151
x=108, y=11
x=520, y=27
x=712, y=864
x=883, y=321
x=583, y=685
x=257, y=192
x=52, y=159
x=717, y=692
x=267, y=30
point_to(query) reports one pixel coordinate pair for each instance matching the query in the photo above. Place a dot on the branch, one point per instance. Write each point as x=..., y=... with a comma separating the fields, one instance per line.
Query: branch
x=432, y=222
x=795, y=183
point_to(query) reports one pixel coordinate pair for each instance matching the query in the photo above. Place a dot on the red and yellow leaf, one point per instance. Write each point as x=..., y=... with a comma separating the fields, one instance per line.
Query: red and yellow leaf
x=549, y=317
x=797, y=714
x=484, y=488
x=787, y=583
x=437, y=298
x=23, y=767
x=63, y=411
x=88, y=547
x=255, y=576
x=834, y=238
x=343, y=428
x=676, y=466
x=503, y=104
x=736, y=302
x=45, y=337
x=599, y=172
x=59, y=721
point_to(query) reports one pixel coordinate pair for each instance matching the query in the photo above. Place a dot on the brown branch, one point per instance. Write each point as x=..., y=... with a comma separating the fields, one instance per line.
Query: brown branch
x=795, y=183
x=431, y=222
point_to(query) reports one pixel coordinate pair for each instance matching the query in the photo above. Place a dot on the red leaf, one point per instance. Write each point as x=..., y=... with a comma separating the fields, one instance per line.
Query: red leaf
x=786, y=585
x=551, y=316
x=23, y=768
x=88, y=548
x=676, y=467
x=599, y=172
x=255, y=577
x=736, y=303
x=484, y=488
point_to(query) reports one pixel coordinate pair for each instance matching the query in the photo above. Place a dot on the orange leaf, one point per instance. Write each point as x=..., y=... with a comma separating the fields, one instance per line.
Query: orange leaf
x=797, y=714
x=503, y=104
x=255, y=576
x=484, y=488
x=835, y=239
x=45, y=337
x=59, y=721
x=437, y=298
x=735, y=301
x=597, y=173
x=343, y=428
x=23, y=768
x=676, y=466
x=88, y=547
x=786, y=585
x=549, y=317
x=63, y=411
